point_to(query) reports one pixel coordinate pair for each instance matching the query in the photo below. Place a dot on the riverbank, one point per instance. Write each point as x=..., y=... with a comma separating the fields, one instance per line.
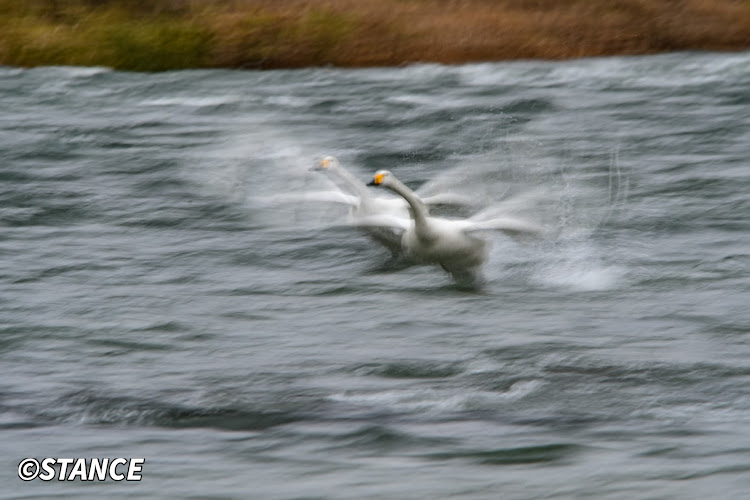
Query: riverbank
x=154, y=35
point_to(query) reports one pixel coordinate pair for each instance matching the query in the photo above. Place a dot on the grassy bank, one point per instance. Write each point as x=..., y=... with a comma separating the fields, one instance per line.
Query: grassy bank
x=151, y=35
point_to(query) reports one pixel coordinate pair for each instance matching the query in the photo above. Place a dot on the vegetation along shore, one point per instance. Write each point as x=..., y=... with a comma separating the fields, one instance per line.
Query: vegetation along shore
x=154, y=35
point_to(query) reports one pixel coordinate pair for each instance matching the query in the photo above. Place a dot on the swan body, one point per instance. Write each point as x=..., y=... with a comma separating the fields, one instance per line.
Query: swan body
x=452, y=244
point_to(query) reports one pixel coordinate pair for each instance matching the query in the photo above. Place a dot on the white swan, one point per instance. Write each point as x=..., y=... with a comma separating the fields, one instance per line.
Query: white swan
x=452, y=244
x=366, y=208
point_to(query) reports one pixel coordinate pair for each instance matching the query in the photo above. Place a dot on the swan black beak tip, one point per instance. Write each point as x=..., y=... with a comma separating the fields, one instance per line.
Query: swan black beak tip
x=371, y=183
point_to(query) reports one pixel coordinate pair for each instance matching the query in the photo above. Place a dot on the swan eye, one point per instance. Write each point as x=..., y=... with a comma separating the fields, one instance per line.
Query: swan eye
x=378, y=179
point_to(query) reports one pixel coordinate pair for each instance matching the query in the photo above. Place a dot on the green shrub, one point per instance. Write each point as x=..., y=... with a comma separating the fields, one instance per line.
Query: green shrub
x=153, y=45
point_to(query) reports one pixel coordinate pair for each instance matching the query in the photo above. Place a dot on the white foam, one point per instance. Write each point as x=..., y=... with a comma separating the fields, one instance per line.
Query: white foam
x=438, y=400
x=289, y=101
x=79, y=71
x=189, y=101
x=577, y=266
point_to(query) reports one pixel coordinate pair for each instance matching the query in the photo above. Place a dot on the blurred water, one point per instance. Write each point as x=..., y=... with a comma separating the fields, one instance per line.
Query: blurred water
x=153, y=307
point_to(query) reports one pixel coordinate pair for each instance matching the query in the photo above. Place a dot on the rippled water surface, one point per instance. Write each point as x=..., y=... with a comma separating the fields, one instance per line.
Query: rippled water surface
x=158, y=301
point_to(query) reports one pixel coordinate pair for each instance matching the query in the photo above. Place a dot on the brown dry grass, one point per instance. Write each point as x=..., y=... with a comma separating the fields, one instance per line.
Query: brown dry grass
x=165, y=34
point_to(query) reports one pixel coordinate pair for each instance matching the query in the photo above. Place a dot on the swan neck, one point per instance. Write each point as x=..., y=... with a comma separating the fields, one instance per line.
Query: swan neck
x=418, y=208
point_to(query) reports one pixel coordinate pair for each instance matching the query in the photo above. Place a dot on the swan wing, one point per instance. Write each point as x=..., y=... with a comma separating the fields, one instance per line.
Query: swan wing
x=383, y=220
x=448, y=199
x=513, y=227
x=322, y=196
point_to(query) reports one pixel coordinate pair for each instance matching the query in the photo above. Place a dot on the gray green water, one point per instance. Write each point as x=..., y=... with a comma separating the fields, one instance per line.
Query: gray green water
x=154, y=306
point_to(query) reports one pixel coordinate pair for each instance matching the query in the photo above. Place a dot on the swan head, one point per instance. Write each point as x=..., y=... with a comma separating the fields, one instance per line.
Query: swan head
x=381, y=178
x=327, y=163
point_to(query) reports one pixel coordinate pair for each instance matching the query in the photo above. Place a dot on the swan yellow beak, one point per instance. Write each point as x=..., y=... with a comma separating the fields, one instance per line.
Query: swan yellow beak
x=377, y=180
x=321, y=164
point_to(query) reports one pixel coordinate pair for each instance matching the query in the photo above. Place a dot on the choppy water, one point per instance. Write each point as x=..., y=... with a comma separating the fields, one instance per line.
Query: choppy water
x=152, y=306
